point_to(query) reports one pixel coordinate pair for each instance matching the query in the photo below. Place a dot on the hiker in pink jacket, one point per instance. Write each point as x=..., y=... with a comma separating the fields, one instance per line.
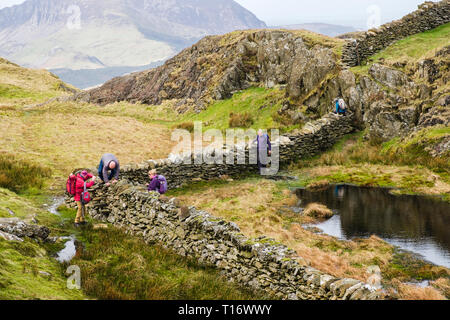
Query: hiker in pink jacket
x=79, y=188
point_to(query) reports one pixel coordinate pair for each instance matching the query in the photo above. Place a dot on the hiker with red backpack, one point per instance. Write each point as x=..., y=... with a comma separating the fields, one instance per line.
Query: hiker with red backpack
x=158, y=182
x=77, y=186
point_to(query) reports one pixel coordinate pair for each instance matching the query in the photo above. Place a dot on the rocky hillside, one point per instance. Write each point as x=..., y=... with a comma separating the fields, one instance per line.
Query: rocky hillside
x=88, y=34
x=217, y=66
x=402, y=89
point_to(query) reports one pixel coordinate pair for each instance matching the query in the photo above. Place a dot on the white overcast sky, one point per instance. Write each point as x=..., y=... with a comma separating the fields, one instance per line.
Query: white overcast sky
x=343, y=12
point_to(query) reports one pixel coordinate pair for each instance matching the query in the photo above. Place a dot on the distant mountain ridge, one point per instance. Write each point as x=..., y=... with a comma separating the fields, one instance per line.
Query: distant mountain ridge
x=95, y=34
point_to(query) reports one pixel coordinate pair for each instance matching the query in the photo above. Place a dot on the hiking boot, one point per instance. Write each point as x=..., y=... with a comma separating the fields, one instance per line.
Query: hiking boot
x=77, y=224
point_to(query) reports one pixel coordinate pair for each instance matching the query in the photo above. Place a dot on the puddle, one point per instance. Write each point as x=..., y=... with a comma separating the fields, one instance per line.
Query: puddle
x=56, y=203
x=415, y=223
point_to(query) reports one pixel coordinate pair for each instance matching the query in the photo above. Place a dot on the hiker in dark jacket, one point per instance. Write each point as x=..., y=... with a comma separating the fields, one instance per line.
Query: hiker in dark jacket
x=156, y=181
x=264, y=149
x=109, y=169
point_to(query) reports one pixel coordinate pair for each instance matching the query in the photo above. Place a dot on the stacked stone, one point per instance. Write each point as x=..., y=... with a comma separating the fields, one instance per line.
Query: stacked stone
x=261, y=264
x=315, y=138
x=430, y=15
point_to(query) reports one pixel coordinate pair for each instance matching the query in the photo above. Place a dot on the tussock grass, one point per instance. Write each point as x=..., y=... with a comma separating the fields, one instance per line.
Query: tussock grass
x=20, y=175
x=240, y=120
x=189, y=126
x=353, y=149
x=318, y=210
x=412, y=292
x=443, y=284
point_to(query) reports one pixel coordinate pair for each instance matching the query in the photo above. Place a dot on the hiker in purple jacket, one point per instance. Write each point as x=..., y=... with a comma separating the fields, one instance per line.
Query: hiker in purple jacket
x=264, y=149
x=158, y=183
x=109, y=169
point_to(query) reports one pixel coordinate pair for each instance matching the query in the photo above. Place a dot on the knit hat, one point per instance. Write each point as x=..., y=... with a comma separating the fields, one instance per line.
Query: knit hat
x=84, y=174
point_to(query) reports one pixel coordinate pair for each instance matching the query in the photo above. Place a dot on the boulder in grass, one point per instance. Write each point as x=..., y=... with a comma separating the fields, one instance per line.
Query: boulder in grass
x=20, y=229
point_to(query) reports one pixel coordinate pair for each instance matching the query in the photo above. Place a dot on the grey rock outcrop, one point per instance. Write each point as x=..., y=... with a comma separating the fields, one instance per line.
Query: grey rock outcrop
x=217, y=66
x=15, y=229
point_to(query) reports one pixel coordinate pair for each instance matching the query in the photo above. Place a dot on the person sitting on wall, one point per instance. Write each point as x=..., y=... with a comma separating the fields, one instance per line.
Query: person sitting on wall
x=341, y=106
x=158, y=182
x=109, y=169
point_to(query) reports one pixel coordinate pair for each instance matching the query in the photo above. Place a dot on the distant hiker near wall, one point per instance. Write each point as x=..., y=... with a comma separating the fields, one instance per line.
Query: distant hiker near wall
x=341, y=106
x=109, y=169
x=264, y=149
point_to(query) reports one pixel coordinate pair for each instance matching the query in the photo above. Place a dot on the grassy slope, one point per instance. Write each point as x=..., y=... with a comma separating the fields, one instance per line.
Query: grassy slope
x=411, y=49
x=134, y=270
x=61, y=136
x=262, y=104
x=20, y=86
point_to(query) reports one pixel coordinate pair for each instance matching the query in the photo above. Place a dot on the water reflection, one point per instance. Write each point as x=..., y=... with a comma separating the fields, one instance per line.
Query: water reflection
x=414, y=223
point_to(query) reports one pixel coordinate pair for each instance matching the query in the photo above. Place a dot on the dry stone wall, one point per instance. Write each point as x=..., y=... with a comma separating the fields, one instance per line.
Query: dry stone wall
x=430, y=15
x=315, y=138
x=262, y=263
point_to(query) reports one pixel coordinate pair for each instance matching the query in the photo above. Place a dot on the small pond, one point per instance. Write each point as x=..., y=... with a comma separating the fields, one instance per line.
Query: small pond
x=415, y=223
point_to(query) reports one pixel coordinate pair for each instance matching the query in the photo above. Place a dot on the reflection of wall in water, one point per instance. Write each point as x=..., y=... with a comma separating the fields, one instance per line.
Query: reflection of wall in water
x=366, y=211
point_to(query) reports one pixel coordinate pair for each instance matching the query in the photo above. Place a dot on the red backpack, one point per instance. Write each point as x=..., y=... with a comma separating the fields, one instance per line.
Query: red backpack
x=71, y=184
x=85, y=195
